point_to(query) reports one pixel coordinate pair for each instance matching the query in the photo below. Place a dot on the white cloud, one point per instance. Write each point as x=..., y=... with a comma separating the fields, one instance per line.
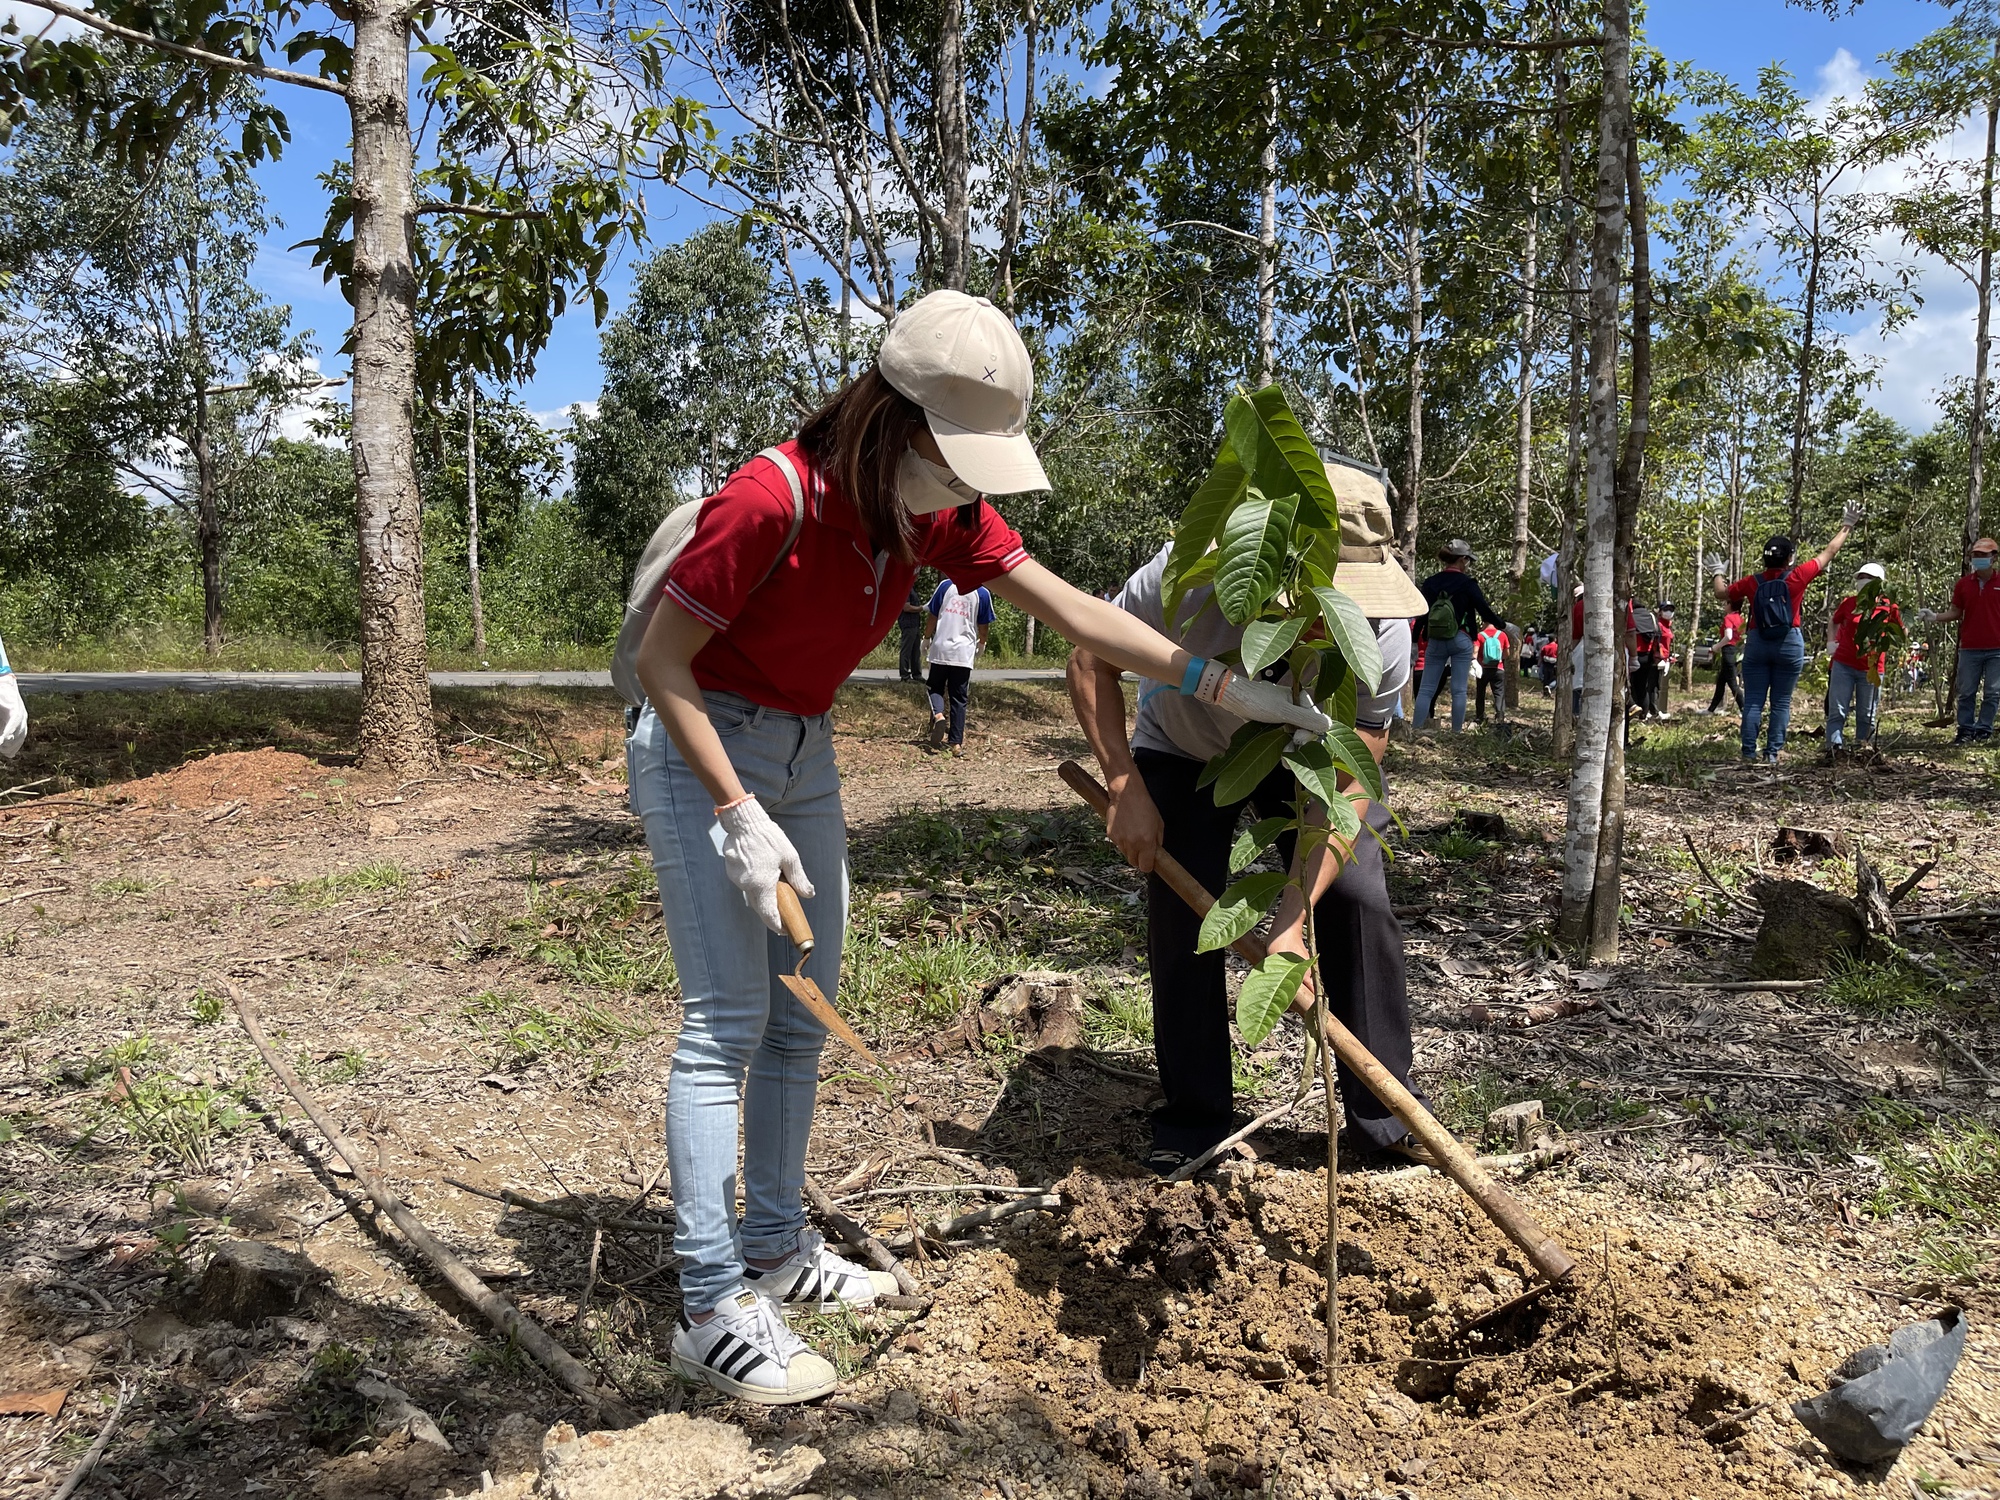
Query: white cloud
x=33, y=20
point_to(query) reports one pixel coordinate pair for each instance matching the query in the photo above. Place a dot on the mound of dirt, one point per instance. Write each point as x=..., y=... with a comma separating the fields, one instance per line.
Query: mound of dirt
x=1168, y=1340
x=252, y=777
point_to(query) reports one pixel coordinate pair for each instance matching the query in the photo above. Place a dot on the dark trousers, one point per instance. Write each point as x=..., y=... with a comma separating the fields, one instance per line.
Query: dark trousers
x=952, y=685
x=1726, y=679
x=1361, y=970
x=1495, y=677
x=910, y=663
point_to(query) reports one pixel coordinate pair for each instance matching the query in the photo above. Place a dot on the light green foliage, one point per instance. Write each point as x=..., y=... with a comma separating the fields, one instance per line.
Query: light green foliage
x=1946, y=1175
x=1879, y=986
x=325, y=890
x=1239, y=909
x=1458, y=845
x=172, y=1120
x=208, y=1007
x=1266, y=995
x=518, y=1032
x=608, y=936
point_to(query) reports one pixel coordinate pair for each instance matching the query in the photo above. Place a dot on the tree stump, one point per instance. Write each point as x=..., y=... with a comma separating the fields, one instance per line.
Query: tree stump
x=1045, y=1007
x=248, y=1281
x=1805, y=929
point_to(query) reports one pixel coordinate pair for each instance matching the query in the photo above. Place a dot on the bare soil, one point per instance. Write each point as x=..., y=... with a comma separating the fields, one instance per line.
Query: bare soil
x=469, y=973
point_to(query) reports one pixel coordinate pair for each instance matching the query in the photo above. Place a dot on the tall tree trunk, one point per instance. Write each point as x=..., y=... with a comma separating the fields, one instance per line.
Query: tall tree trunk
x=1802, y=403
x=1010, y=226
x=846, y=293
x=1607, y=890
x=1601, y=630
x=1983, y=343
x=1413, y=289
x=1563, y=736
x=1694, y=593
x=1524, y=415
x=397, y=733
x=208, y=513
x=954, y=164
x=1736, y=496
x=1267, y=252
x=472, y=515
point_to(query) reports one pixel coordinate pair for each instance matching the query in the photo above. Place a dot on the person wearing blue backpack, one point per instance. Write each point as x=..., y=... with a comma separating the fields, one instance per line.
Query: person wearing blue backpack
x=1775, y=652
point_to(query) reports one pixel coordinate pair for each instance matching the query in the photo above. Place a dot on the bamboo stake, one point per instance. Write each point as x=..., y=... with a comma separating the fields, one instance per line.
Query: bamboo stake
x=501, y=1313
x=1499, y=1205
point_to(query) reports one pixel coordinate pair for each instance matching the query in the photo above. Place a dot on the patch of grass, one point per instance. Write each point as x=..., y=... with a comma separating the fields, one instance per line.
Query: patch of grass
x=122, y=885
x=208, y=1008
x=333, y=1413
x=324, y=890
x=608, y=937
x=920, y=981
x=1462, y=1104
x=518, y=1033
x=1879, y=986
x=836, y=1336
x=175, y=1121
x=1122, y=1021
x=1456, y=844
x=1946, y=1175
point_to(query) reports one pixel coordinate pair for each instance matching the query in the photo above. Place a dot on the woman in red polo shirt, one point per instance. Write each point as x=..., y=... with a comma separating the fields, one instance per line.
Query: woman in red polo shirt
x=1775, y=652
x=762, y=617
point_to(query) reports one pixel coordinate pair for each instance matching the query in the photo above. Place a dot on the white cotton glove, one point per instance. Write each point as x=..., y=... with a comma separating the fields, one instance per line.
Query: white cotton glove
x=1851, y=516
x=13, y=715
x=1248, y=698
x=1717, y=565
x=1928, y=616
x=756, y=853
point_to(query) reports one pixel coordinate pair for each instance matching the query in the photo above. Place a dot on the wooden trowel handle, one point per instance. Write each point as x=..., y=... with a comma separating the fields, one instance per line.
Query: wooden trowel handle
x=793, y=915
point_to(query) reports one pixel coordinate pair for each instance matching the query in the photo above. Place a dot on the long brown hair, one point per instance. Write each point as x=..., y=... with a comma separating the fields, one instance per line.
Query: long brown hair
x=858, y=439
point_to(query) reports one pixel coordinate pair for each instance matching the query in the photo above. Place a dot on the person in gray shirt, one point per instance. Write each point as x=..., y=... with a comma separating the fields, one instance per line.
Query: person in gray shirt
x=1156, y=805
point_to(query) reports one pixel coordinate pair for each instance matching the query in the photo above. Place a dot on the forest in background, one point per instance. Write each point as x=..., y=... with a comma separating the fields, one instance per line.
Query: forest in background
x=1395, y=230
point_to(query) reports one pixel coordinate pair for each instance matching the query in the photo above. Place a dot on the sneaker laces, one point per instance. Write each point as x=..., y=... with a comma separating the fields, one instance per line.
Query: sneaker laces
x=762, y=1328
x=812, y=1249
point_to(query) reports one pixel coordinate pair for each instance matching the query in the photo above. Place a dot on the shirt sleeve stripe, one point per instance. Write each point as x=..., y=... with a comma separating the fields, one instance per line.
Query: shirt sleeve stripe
x=695, y=607
x=1013, y=559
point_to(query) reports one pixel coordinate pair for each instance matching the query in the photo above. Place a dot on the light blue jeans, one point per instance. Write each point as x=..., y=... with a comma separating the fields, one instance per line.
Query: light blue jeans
x=1976, y=669
x=1457, y=654
x=743, y=1037
x=1845, y=685
x=1770, y=667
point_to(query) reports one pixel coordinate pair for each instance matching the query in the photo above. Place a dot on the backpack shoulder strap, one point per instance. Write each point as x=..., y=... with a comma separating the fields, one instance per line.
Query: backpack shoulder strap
x=796, y=485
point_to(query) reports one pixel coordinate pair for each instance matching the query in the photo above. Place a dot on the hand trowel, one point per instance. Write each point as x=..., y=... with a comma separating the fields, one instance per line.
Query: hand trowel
x=793, y=915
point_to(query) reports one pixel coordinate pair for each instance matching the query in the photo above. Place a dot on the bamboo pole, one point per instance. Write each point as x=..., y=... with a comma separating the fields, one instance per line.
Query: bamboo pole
x=1499, y=1205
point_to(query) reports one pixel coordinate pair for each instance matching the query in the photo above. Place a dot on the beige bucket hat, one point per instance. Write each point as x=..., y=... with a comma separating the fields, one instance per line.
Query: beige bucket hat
x=1369, y=571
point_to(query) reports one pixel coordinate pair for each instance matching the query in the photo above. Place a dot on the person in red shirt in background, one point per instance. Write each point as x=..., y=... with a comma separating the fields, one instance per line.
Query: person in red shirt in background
x=1551, y=650
x=1853, y=678
x=1775, y=652
x=1652, y=652
x=1727, y=648
x=1489, y=654
x=1975, y=605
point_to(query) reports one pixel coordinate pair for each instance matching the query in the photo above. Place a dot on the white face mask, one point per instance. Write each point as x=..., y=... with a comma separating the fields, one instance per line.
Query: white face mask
x=925, y=487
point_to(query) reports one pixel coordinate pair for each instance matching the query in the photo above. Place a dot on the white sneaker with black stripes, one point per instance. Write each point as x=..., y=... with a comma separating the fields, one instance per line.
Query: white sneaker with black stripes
x=814, y=1279
x=746, y=1350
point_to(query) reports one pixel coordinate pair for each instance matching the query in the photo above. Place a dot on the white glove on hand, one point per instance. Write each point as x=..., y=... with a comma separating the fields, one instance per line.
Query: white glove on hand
x=1717, y=565
x=13, y=716
x=1851, y=516
x=1928, y=616
x=1265, y=702
x=755, y=853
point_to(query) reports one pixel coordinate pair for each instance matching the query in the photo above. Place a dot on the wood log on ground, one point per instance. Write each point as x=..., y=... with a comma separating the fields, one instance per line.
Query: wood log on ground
x=1045, y=1007
x=248, y=1281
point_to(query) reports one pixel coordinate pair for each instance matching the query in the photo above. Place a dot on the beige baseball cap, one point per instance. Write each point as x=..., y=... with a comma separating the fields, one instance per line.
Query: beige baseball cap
x=961, y=360
x=1370, y=572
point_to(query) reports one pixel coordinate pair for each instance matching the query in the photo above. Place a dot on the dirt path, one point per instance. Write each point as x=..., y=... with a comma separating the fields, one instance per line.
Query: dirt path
x=470, y=974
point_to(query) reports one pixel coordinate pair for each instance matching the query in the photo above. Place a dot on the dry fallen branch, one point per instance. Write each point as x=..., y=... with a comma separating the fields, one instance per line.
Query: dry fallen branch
x=979, y=1218
x=501, y=1313
x=89, y=1460
x=1709, y=875
x=1230, y=1142
x=560, y=1211
x=877, y=1252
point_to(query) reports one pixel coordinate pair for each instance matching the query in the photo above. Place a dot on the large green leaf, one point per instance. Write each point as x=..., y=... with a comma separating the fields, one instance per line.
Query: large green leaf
x=1271, y=444
x=1343, y=702
x=1314, y=766
x=1264, y=641
x=1245, y=733
x=1350, y=753
x=1237, y=778
x=1267, y=994
x=1350, y=629
x=1253, y=553
x=1241, y=908
x=1199, y=525
x=1254, y=840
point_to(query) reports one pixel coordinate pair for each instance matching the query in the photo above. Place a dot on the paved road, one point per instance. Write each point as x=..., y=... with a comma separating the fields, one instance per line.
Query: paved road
x=209, y=682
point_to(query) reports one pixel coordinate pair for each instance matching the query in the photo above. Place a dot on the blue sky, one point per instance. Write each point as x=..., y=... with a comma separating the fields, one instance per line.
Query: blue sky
x=1735, y=37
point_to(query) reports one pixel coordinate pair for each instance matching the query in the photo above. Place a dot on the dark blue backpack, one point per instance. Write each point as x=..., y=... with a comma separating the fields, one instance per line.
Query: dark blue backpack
x=1771, y=609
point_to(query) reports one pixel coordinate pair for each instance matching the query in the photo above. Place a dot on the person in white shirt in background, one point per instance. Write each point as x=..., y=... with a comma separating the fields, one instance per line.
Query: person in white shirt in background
x=13, y=712
x=957, y=631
